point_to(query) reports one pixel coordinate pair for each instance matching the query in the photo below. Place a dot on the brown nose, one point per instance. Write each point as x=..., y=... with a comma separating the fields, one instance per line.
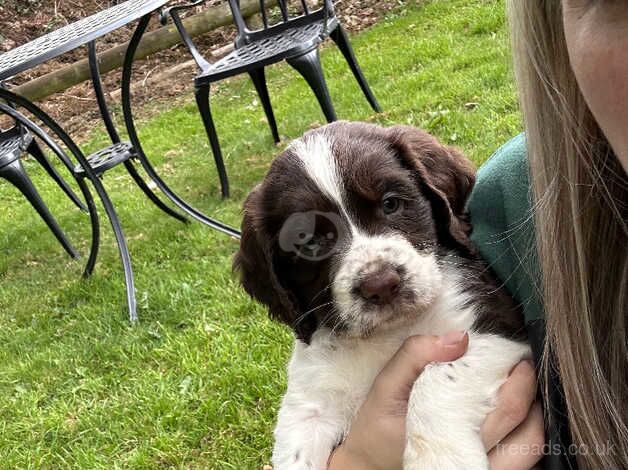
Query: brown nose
x=380, y=287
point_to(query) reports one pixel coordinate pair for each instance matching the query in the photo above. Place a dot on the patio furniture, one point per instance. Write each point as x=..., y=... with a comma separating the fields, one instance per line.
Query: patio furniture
x=93, y=167
x=27, y=127
x=14, y=143
x=294, y=38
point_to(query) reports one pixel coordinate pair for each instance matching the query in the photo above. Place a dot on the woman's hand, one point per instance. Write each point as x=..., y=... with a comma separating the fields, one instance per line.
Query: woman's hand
x=377, y=437
x=514, y=433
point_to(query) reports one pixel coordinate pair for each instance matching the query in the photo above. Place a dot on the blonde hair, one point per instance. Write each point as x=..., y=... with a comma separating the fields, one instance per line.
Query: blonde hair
x=581, y=207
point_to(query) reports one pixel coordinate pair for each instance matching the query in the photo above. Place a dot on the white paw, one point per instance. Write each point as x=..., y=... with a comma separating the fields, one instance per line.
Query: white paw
x=422, y=454
x=449, y=402
x=299, y=459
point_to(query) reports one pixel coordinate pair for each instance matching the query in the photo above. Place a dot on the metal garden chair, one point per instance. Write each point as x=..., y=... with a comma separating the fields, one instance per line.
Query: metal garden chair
x=15, y=143
x=293, y=38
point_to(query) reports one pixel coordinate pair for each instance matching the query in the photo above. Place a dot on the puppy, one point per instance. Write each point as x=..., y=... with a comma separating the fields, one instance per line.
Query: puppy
x=357, y=238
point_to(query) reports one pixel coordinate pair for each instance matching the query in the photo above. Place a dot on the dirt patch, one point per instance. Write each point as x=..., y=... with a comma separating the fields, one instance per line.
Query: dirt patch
x=24, y=20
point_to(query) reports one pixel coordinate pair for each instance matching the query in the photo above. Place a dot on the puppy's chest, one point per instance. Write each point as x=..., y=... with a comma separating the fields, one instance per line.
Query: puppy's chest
x=342, y=370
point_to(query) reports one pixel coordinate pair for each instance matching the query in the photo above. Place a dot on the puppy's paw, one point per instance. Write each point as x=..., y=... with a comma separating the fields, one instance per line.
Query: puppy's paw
x=421, y=453
x=298, y=460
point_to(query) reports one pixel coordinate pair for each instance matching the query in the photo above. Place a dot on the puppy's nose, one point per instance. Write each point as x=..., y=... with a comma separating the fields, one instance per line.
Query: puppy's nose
x=380, y=287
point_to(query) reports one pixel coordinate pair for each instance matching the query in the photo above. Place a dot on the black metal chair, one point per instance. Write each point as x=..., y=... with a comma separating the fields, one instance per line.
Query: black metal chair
x=14, y=143
x=294, y=39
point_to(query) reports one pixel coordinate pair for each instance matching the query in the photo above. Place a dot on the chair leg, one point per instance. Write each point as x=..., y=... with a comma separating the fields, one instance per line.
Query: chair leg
x=259, y=80
x=35, y=150
x=202, y=101
x=309, y=66
x=339, y=36
x=151, y=195
x=95, y=223
x=14, y=173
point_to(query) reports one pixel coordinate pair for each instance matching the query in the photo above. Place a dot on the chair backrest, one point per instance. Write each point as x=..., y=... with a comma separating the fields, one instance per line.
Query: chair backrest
x=276, y=13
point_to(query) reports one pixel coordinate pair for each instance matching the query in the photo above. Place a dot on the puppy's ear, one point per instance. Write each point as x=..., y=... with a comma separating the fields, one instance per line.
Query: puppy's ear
x=254, y=262
x=447, y=177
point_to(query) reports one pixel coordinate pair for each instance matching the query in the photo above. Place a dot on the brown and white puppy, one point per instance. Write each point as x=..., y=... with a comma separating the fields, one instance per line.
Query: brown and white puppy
x=357, y=238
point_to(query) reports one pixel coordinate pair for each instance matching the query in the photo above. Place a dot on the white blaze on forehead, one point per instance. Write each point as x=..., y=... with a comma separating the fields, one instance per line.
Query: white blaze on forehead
x=314, y=152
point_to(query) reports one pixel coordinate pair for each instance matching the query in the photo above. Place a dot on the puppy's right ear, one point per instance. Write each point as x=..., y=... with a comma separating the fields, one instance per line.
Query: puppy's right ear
x=254, y=262
x=447, y=177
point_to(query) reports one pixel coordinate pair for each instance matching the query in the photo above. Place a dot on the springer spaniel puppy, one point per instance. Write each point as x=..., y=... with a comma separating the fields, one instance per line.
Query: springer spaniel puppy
x=357, y=238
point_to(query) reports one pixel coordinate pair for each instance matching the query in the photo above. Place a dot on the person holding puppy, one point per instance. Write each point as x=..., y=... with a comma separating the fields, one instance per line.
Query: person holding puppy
x=550, y=213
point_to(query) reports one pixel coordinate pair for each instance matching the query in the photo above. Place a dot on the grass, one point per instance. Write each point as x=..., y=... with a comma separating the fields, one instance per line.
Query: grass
x=196, y=384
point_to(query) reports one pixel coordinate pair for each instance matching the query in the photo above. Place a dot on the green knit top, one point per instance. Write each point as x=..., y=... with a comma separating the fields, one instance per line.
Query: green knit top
x=503, y=231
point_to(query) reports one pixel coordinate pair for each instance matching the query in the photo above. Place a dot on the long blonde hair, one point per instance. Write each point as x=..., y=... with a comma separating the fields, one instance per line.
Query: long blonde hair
x=581, y=206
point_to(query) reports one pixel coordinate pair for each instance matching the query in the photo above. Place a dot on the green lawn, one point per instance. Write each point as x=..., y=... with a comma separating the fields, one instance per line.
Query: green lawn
x=197, y=382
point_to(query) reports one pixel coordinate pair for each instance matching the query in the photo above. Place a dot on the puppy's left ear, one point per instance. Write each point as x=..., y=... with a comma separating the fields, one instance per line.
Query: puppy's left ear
x=254, y=262
x=447, y=177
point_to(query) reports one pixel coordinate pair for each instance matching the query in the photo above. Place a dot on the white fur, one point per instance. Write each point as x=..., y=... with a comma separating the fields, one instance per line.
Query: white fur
x=449, y=402
x=364, y=256
x=328, y=379
x=315, y=154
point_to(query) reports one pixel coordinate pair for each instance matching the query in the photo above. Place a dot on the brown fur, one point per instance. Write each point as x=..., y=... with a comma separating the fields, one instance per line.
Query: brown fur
x=435, y=181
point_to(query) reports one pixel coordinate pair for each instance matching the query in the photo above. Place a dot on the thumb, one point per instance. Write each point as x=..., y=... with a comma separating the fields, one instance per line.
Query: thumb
x=396, y=379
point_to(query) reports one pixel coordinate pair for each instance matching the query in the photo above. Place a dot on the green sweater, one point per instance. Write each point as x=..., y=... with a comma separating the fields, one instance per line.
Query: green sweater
x=503, y=230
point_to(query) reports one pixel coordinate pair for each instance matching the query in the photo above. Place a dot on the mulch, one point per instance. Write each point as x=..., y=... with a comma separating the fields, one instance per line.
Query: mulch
x=24, y=20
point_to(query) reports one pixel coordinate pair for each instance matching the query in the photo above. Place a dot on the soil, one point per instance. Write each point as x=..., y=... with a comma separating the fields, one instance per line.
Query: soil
x=24, y=20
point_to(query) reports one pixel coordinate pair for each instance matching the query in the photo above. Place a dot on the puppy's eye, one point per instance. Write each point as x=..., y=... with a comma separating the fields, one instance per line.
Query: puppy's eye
x=390, y=204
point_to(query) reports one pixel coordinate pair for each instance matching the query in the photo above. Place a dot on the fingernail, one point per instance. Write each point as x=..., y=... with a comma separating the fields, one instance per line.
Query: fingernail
x=452, y=338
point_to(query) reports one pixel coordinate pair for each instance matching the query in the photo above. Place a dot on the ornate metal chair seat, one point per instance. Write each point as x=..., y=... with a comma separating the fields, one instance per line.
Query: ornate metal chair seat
x=22, y=58
x=12, y=145
x=268, y=50
x=107, y=158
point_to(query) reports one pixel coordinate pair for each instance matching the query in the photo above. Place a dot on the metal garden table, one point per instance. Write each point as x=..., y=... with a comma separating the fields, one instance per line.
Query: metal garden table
x=86, y=31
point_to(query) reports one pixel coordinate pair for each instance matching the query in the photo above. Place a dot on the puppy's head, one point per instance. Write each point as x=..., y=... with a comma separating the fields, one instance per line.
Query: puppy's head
x=346, y=227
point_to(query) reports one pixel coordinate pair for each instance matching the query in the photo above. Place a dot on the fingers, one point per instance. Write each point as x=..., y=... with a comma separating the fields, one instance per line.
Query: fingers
x=397, y=377
x=513, y=403
x=523, y=448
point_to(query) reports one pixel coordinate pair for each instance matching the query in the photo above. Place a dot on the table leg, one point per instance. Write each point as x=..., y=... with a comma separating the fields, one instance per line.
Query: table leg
x=100, y=190
x=94, y=72
x=113, y=133
x=131, y=130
